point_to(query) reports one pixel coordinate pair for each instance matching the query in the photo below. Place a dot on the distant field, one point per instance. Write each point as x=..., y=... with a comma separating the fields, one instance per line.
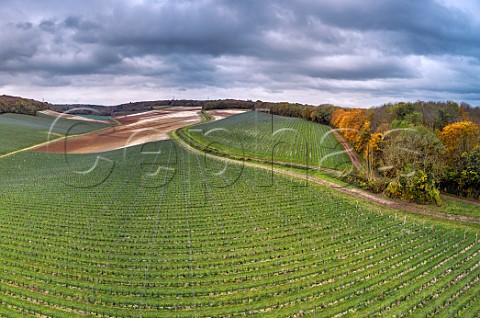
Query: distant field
x=160, y=232
x=21, y=131
x=267, y=137
x=107, y=118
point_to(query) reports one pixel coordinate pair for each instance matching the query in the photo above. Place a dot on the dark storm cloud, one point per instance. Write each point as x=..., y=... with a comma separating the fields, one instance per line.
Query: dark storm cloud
x=337, y=45
x=425, y=26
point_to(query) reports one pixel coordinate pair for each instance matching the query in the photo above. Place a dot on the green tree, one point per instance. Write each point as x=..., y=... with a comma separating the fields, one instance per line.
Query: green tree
x=412, y=158
x=405, y=151
x=464, y=177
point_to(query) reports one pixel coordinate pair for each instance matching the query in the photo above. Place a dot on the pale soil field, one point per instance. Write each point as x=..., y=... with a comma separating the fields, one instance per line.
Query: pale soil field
x=134, y=130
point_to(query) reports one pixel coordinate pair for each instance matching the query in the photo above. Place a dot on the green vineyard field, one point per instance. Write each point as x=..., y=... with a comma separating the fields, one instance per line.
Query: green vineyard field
x=21, y=131
x=273, y=138
x=155, y=231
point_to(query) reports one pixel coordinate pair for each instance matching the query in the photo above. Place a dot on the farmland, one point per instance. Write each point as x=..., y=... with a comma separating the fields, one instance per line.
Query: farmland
x=272, y=138
x=20, y=131
x=156, y=231
x=134, y=129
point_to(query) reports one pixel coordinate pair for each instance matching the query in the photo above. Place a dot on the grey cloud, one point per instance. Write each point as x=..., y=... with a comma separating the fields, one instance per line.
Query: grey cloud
x=19, y=43
x=77, y=23
x=48, y=26
x=24, y=25
x=379, y=47
x=361, y=72
x=421, y=27
x=200, y=29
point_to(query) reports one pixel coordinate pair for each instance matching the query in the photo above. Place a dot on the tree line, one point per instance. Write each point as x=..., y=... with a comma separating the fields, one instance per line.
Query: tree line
x=18, y=105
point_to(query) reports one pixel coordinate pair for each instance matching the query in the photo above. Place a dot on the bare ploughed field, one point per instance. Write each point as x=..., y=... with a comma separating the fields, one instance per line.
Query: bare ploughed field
x=224, y=113
x=134, y=130
x=71, y=116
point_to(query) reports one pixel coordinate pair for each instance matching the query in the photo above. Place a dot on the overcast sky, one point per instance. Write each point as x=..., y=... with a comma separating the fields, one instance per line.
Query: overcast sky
x=346, y=52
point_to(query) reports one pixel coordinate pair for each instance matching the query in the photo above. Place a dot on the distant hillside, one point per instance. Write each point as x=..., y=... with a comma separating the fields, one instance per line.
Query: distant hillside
x=134, y=107
x=149, y=105
x=10, y=104
x=122, y=109
x=19, y=105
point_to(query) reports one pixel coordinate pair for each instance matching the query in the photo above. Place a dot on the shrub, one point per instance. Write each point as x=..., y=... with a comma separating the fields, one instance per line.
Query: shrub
x=418, y=188
x=360, y=179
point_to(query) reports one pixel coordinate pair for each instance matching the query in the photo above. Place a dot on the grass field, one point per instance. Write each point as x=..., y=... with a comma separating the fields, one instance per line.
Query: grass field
x=155, y=231
x=21, y=131
x=272, y=138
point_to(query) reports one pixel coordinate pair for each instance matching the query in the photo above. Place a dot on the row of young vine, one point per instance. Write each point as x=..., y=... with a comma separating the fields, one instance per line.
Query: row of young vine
x=169, y=233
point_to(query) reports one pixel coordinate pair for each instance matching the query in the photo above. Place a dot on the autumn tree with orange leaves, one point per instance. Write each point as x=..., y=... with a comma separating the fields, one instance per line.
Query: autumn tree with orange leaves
x=354, y=124
x=460, y=137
